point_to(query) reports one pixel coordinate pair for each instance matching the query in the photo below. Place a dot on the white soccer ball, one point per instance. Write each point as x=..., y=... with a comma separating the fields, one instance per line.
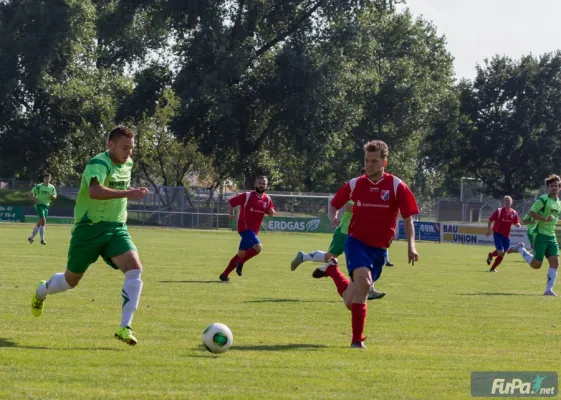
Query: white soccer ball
x=217, y=338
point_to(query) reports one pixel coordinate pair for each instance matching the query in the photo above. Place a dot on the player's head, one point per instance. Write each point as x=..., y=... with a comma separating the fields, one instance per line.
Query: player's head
x=552, y=184
x=375, y=157
x=507, y=201
x=120, y=143
x=261, y=183
x=46, y=178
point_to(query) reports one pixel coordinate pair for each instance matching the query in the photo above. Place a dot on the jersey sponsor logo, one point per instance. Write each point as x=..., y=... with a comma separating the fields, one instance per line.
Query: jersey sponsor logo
x=361, y=204
x=119, y=184
x=256, y=210
x=385, y=195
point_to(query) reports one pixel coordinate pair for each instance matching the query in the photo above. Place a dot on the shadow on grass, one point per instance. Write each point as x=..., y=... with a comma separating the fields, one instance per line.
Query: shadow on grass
x=290, y=301
x=280, y=347
x=216, y=281
x=9, y=343
x=260, y=347
x=499, y=294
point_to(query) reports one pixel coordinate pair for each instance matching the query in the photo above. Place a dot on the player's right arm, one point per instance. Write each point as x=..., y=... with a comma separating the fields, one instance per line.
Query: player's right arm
x=492, y=218
x=34, y=192
x=527, y=220
x=236, y=201
x=99, y=192
x=538, y=206
x=341, y=198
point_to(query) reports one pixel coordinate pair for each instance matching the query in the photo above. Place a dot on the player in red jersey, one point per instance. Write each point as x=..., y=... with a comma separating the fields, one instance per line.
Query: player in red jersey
x=378, y=197
x=502, y=220
x=253, y=207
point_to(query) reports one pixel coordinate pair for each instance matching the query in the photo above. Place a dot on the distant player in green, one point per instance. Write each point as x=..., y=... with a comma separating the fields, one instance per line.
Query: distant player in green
x=545, y=212
x=42, y=195
x=336, y=248
x=100, y=229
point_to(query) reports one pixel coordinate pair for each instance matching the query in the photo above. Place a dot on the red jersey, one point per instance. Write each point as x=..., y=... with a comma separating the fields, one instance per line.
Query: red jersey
x=503, y=221
x=375, y=208
x=252, y=210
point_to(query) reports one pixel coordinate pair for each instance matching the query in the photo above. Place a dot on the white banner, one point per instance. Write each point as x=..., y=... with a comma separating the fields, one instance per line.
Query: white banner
x=475, y=234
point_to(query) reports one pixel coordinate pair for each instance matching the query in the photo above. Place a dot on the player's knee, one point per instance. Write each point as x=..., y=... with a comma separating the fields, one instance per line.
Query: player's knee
x=536, y=264
x=500, y=253
x=72, y=279
x=258, y=248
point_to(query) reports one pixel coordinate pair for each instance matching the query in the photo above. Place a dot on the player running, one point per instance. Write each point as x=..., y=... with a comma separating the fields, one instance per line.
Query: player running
x=336, y=247
x=378, y=197
x=546, y=213
x=253, y=207
x=100, y=229
x=502, y=220
x=42, y=194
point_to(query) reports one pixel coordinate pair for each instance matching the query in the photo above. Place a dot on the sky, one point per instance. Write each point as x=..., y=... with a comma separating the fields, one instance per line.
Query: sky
x=479, y=29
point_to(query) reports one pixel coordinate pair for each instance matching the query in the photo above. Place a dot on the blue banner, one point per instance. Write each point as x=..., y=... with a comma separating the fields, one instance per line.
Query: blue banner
x=429, y=231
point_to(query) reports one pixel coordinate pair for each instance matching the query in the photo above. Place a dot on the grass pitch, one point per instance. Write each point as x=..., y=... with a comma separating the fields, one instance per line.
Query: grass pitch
x=442, y=319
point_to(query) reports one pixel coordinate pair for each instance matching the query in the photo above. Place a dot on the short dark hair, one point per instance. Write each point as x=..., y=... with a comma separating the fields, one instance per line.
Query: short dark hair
x=261, y=177
x=119, y=131
x=46, y=175
x=377, y=145
x=552, y=178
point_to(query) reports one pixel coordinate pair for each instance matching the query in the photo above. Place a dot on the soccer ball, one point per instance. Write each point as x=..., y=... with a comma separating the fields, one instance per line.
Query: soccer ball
x=217, y=338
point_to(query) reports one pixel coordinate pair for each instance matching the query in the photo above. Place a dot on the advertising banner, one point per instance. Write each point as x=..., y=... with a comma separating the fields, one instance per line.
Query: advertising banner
x=429, y=231
x=475, y=234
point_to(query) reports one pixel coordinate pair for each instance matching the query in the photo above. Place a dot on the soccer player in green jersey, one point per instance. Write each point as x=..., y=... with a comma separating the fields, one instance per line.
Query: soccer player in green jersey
x=336, y=247
x=100, y=229
x=42, y=195
x=545, y=212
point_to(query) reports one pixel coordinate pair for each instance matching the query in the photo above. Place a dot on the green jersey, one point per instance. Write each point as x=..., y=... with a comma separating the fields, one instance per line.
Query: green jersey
x=110, y=175
x=43, y=193
x=346, y=220
x=530, y=222
x=547, y=206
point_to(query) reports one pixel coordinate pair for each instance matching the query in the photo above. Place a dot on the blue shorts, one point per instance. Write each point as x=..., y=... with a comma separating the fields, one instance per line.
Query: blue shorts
x=359, y=255
x=249, y=239
x=501, y=242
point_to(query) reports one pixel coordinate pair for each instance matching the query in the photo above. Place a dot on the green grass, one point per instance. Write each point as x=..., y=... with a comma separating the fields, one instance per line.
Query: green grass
x=23, y=198
x=442, y=319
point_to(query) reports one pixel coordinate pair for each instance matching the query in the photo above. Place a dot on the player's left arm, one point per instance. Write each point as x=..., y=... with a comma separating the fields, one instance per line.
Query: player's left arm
x=271, y=210
x=408, y=207
x=517, y=221
x=53, y=194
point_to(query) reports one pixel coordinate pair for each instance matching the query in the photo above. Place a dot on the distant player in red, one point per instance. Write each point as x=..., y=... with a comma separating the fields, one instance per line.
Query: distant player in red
x=502, y=220
x=253, y=207
x=378, y=197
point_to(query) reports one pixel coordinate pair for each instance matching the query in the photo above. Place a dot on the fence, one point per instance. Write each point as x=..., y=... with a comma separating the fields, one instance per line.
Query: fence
x=204, y=208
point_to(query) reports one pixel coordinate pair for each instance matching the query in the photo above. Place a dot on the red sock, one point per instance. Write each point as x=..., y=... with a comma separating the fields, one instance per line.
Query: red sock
x=358, y=312
x=339, y=279
x=248, y=255
x=498, y=260
x=231, y=266
x=494, y=254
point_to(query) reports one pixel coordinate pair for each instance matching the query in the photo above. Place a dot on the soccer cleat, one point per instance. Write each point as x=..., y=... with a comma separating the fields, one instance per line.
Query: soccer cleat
x=549, y=293
x=37, y=302
x=515, y=248
x=125, y=334
x=320, y=272
x=239, y=268
x=30, y=240
x=299, y=259
x=375, y=295
x=388, y=264
x=492, y=270
x=489, y=259
x=359, y=345
x=224, y=278
x=43, y=243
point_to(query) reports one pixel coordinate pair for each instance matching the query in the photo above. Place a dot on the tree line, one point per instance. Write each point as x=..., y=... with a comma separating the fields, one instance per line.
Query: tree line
x=225, y=90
